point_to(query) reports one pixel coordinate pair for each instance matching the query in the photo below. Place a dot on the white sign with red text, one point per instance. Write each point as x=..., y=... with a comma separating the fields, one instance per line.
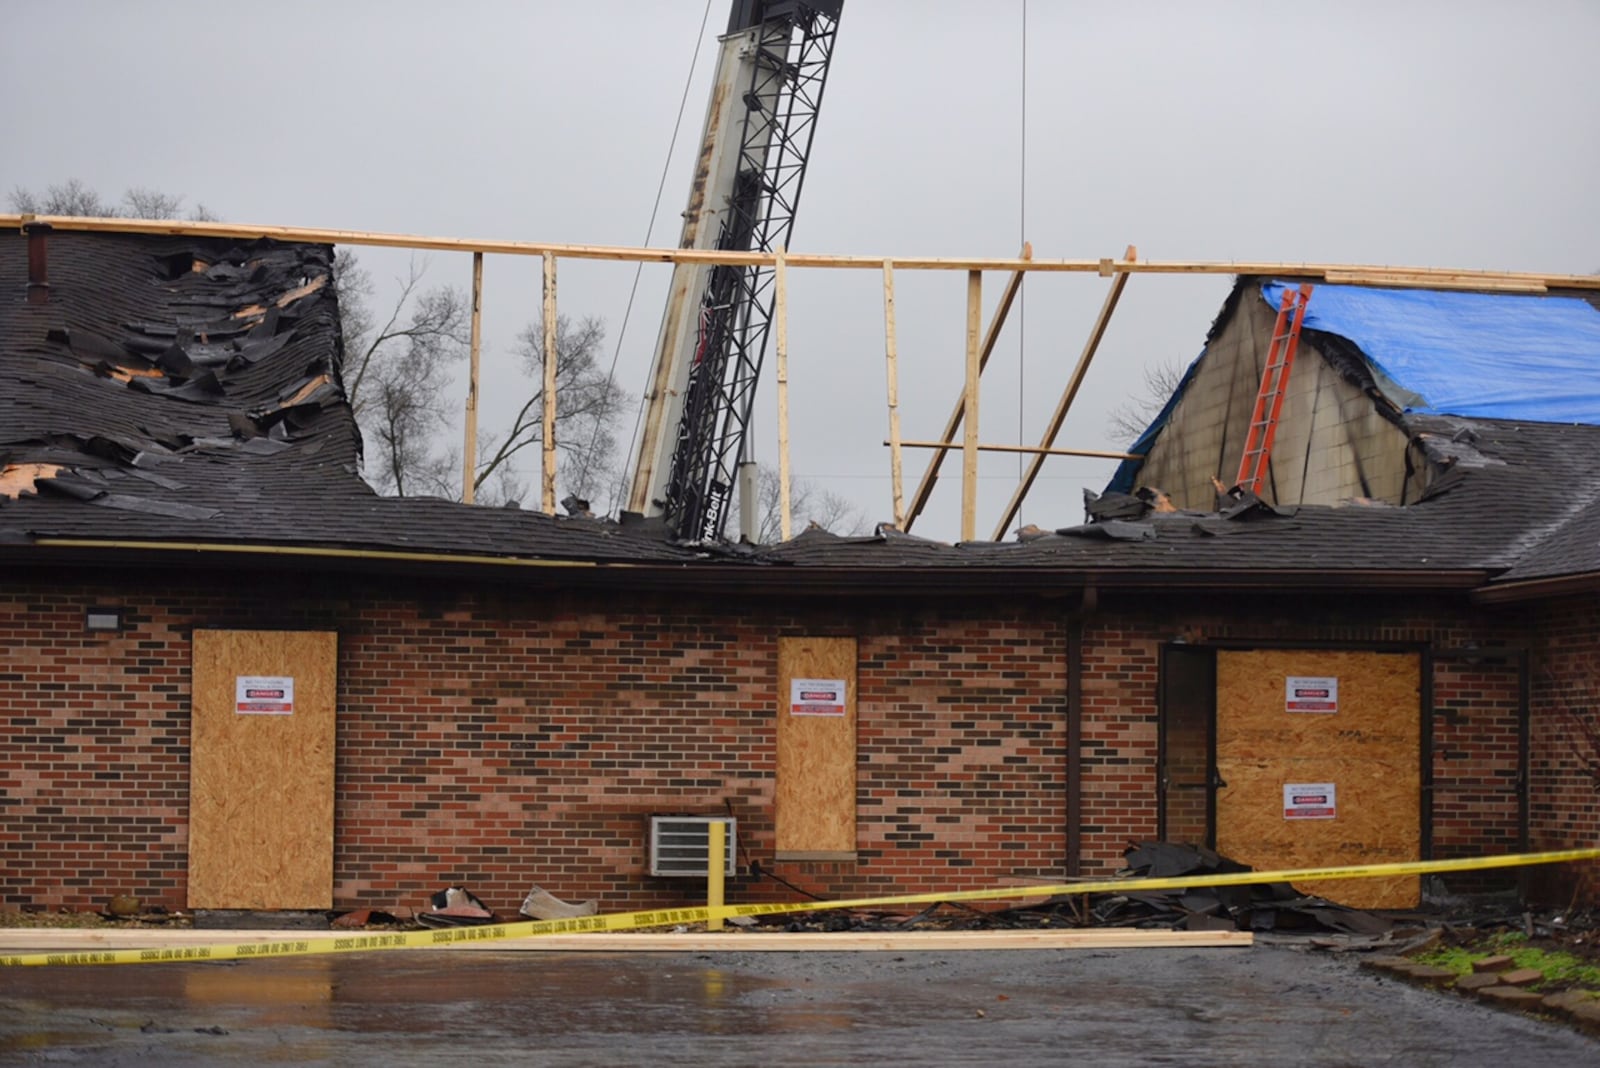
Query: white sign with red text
x=263, y=695
x=816, y=697
x=1311, y=693
x=1310, y=801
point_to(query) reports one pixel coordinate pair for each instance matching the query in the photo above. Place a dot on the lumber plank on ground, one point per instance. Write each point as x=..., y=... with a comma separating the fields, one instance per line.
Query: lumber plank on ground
x=29, y=940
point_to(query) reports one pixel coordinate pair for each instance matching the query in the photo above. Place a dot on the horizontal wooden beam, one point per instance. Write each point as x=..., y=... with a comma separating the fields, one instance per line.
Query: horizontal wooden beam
x=1428, y=277
x=1035, y=450
x=25, y=940
x=1454, y=280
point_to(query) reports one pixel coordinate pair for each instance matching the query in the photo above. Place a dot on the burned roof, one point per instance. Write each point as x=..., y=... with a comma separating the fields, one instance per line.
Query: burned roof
x=182, y=390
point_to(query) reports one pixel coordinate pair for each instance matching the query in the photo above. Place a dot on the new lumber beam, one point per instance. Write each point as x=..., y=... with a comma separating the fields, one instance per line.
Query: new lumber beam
x=1390, y=275
x=919, y=500
x=1068, y=395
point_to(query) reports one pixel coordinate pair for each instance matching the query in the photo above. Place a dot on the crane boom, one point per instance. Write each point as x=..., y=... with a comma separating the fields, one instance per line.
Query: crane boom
x=759, y=125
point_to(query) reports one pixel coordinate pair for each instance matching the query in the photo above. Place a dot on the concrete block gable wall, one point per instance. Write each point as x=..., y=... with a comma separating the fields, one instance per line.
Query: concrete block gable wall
x=502, y=739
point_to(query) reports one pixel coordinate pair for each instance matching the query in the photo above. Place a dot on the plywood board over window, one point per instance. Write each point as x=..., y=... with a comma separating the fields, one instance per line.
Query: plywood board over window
x=815, y=793
x=261, y=770
x=1367, y=746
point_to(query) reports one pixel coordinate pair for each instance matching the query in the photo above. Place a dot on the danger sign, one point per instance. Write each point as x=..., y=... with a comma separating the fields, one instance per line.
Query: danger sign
x=1310, y=801
x=263, y=695
x=816, y=697
x=1311, y=693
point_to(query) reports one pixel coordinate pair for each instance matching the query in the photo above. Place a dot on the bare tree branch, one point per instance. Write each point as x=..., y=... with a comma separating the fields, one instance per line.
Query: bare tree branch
x=588, y=404
x=396, y=374
x=73, y=197
x=1133, y=416
x=809, y=505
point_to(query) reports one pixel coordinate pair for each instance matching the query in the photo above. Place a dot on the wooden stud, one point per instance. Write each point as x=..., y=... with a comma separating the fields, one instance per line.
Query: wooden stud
x=1068, y=394
x=1377, y=274
x=469, y=449
x=551, y=359
x=969, y=396
x=892, y=372
x=919, y=500
x=780, y=325
x=1403, y=279
x=1037, y=450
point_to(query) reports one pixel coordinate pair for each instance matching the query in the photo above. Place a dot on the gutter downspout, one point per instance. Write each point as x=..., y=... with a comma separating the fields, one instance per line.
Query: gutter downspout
x=1076, y=620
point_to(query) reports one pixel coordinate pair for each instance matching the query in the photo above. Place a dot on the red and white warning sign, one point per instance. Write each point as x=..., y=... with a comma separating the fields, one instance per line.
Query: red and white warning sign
x=263, y=695
x=816, y=697
x=1310, y=801
x=1311, y=693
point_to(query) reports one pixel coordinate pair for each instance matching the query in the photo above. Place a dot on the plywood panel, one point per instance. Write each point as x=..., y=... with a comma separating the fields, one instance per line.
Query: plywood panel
x=815, y=793
x=1369, y=749
x=261, y=785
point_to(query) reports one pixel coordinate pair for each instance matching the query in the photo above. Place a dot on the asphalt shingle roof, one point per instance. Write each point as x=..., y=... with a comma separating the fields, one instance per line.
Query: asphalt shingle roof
x=1527, y=497
x=188, y=391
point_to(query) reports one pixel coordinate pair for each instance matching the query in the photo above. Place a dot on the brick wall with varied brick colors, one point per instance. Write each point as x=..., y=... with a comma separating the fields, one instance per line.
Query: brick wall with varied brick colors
x=504, y=739
x=1476, y=741
x=1565, y=765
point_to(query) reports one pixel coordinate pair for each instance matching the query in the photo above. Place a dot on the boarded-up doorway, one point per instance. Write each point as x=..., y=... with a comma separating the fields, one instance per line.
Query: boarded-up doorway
x=261, y=770
x=1319, y=755
x=814, y=799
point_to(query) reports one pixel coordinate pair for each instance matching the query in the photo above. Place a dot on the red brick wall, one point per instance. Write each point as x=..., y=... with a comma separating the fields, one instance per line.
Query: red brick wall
x=94, y=754
x=1565, y=738
x=1475, y=741
x=511, y=738
x=508, y=741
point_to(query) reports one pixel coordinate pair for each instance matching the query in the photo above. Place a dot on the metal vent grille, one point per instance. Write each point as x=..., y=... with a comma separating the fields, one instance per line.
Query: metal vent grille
x=678, y=844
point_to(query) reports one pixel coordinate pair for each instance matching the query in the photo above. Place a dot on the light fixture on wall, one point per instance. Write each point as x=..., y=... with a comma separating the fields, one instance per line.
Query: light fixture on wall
x=102, y=617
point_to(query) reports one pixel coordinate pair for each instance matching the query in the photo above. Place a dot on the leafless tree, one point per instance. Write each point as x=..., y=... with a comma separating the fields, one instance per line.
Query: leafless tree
x=809, y=505
x=141, y=203
x=588, y=405
x=73, y=197
x=1133, y=416
x=396, y=373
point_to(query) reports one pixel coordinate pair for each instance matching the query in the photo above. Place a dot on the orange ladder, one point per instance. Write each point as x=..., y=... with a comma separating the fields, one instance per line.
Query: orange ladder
x=1274, y=381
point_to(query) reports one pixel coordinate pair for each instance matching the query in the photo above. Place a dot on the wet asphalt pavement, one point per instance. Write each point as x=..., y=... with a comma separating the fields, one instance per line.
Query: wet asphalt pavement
x=1268, y=1005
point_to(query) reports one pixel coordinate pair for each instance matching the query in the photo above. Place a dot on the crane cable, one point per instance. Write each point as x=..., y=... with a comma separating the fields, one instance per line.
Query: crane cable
x=638, y=271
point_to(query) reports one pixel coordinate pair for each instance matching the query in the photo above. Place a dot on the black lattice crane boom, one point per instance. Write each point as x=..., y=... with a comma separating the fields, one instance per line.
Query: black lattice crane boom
x=750, y=170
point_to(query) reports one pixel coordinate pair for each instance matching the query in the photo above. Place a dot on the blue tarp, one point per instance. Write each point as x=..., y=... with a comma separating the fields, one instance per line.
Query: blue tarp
x=1482, y=355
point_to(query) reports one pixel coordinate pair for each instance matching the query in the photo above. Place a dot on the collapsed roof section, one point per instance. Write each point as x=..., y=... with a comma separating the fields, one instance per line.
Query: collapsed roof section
x=1477, y=413
x=182, y=390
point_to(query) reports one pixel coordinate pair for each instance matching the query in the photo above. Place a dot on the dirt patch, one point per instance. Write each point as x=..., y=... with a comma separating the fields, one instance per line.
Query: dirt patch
x=66, y=918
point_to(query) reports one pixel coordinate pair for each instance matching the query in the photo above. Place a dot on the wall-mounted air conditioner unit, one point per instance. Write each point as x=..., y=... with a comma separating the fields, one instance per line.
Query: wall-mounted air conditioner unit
x=678, y=844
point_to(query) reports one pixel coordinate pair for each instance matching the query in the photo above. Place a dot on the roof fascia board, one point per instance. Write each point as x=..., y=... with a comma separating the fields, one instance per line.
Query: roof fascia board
x=775, y=578
x=1537, y=589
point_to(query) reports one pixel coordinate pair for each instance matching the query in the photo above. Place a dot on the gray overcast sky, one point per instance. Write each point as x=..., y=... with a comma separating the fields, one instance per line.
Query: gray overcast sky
x=1460, y=134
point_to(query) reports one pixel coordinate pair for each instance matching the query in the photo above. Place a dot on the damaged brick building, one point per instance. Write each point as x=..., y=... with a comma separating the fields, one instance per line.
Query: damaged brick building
x=237, y=678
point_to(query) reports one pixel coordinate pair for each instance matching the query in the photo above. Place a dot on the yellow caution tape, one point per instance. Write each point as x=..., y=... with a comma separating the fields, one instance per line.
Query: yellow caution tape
x=623, y=921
